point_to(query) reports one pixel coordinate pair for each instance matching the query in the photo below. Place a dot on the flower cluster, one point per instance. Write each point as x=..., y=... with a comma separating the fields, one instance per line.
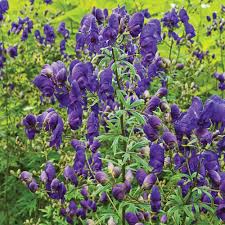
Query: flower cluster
x=49, y=35
x=4, y=6
x=23, y=25
x=172, y=19
x=49, y=121
x=217, y=24
x=103, y=93
x=221, y=78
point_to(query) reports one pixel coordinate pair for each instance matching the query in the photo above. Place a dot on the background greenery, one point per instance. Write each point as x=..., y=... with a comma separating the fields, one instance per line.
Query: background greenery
x=19, y=206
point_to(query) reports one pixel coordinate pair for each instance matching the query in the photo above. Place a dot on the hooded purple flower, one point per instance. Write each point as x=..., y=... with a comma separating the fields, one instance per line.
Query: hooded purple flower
x=81, y=73
x=183, y=15
x=63, y=31
x=80, y=158
x=106, y=91
x=171, y=19
x=153, y=104
x=140, y=176
x=220, y=212
x=101, y=177
x=4, y=6
x=12, y=51
x=189, y=120
x=69, y=174
x=30, y=126
x=131, y=218
x=156, y=157
x=75, y=111
x=49, y=34
x=150, y=132
x=175, y=112
x=92, y=127
x=119, y=191
x=54, y=123
x=155, y=199
x=45, y=85
x=150, y=36
x=99, y=15
x=169, y=138
x=135, y=24
x=149, y=181
x=111, y=31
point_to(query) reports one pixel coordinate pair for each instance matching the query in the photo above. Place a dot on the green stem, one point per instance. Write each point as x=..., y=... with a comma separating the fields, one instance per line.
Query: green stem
x=221, y=53
x=171, y=47
x=122, y=132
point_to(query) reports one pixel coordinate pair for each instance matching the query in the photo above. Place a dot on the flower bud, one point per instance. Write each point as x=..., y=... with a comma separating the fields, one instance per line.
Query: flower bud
x=119, y=191
x=180, y=66
x=103, y=198
x=90, y=222
x=169, y=138
x=116, y=172
x=33, y=186
x=111, y=221
x=154, y=121
x=149, y=181
x=131, y=218
x=129, y=176
x=26, y=176
x=101, y=177
x=140, y=176
x=163, y=219
x=84, y=191
x=162, y=92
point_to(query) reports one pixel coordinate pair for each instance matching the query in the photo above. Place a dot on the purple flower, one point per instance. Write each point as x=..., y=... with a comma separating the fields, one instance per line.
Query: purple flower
x=183, y=15
x=131, y=218
x=189, y=29
x=101, y=177
x=135, y=24
x=154, y=121
x=106, y=91
x=26, y=177
x=99, y=15
x=189, y=121
x=175, y=112
x=84, y=191
x=170, y=19
x=169, y=138
x=156, y=157
x=155, y=199
x=33, y=186
x=53, y=122
x=44, y=84
x=48, y=1
x=80, y=158
x=163, y=218
x=140, y=176
x=92, y=127
x=30, y=126
x=220, y=212
x=12, y=51
x=50, y=171
x=153, y=104
x=69, y=174
x=75, y=111
x=119, y=191
x=4, y=6
x=49, y=34
x=150, y=132
x=63, y=31
x=163, y=91
x=149, y=181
